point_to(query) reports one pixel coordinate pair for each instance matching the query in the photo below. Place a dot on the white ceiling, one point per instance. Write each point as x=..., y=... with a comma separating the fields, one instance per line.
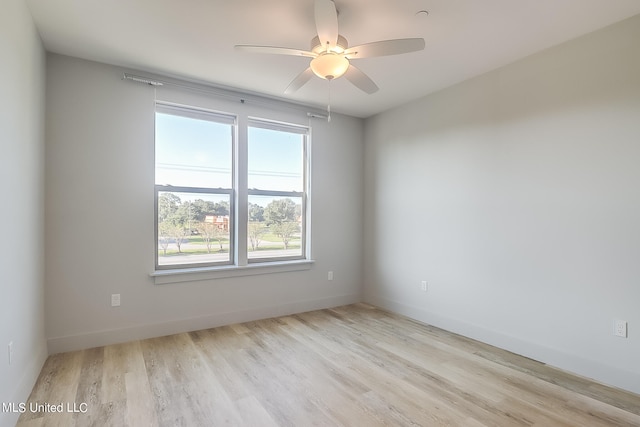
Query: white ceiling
x=195, y=39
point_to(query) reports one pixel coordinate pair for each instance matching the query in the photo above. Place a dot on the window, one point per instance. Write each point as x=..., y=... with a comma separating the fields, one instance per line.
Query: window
x=276, y=195
x=194, y=187
x=197, y=171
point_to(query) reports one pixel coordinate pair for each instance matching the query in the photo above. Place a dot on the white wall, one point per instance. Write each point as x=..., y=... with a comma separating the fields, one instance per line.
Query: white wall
x=516, y=196
x=22, y=79
x=99, y=217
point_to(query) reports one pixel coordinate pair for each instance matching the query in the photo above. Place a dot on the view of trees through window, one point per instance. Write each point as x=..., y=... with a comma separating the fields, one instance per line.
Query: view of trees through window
x=190, y=226
x=193, y=225
x=274, y=227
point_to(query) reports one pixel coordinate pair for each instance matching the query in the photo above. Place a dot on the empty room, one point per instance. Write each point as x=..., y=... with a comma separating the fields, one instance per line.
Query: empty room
x=317, y=212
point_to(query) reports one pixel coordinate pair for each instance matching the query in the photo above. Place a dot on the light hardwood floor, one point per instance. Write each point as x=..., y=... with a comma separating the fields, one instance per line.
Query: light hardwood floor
x=353, y=366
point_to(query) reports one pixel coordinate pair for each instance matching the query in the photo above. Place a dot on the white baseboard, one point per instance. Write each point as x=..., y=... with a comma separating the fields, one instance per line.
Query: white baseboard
x=25, y=386
x=597, y=371
x=114, y=336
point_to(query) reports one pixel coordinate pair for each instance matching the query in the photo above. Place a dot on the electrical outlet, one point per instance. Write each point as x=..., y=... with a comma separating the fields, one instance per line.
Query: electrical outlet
x=330, y=275
x=424, y=286
x=10, y=351
x=115, y=300
x=620, y=328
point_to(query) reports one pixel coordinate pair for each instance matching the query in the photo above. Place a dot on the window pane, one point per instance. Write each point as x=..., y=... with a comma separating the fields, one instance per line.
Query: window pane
x=276, y=160
x=274, y=227
x=193, y=228
x=193, y=152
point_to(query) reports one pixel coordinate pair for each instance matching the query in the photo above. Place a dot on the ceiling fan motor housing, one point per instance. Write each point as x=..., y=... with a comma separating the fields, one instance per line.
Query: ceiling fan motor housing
x=317, y=47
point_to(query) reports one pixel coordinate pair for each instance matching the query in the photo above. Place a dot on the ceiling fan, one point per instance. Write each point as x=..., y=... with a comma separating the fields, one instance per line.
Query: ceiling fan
x=330, y=54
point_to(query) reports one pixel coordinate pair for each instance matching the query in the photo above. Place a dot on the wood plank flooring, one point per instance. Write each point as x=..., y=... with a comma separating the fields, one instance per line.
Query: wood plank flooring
x=349, y=366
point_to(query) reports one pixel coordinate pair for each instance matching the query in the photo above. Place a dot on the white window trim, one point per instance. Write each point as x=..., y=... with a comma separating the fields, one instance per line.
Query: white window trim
x=243, y=267
x=162, y=277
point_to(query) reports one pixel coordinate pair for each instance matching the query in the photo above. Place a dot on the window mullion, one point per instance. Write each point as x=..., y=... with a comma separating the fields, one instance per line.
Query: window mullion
x=241, y=214
x=306, y=232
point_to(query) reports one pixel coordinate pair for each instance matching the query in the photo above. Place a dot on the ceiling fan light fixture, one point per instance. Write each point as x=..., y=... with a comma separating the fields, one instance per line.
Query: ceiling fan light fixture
x=329, y=66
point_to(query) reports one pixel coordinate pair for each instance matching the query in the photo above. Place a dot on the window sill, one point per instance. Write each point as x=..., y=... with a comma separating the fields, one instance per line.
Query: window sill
x=162, y=277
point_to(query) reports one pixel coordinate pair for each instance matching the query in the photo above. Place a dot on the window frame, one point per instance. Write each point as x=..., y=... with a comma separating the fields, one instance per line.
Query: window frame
x=261, y=123
x=238, y=195
x=198, y=113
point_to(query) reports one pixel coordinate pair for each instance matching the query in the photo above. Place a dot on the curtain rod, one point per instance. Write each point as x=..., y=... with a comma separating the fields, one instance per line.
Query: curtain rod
x=223, y=93
x=127, y=76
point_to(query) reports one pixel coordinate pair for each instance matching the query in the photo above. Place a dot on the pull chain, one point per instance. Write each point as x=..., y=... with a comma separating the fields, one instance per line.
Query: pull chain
x=329, y=104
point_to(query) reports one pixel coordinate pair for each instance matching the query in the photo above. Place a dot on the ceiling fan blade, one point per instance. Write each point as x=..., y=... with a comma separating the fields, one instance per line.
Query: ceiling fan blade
x=384, y=48
x=360, y=80
x=299, y=81
x=326, y=22
x=275, y=50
